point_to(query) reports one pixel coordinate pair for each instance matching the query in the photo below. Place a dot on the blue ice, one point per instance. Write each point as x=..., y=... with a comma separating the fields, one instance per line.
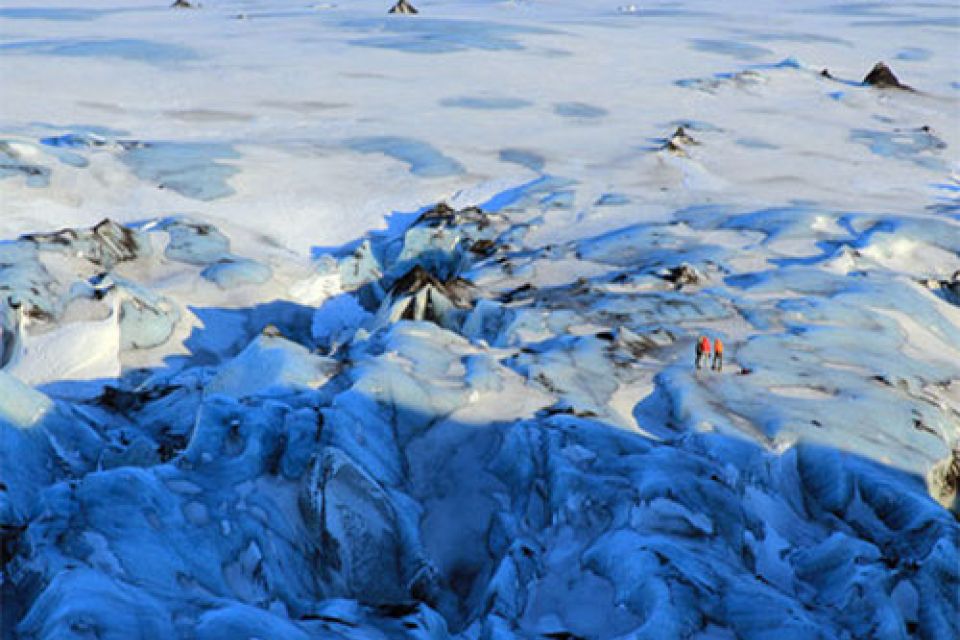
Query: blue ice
x=72, y=141
x=612, y=200
x=644, y=246
x=578, y=110
x=80, y=132
x=798, y=37
x=529, y=159
x=483, y=102
x=731, y=48
x=914, y=145
x=198, y=244
x=231, y=272
x=189, y=168
x=51, y=13
x=914, y=54
x=36, y=175
x=425, y=35
x=423, y=159
x=859, y=9
x=755, y=143
x=147, y=320
x=22, y=406
x=131, y=49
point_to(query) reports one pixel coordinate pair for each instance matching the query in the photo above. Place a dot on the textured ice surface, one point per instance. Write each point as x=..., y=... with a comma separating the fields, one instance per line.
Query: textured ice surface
x=280, y=394
x=418, y=477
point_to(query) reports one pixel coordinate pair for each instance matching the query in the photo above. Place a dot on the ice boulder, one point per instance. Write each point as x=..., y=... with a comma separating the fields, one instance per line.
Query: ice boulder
x=271, y=363
x=232, y=272
x=84, y=350
x=21, y=405
x=337, y=320
x=105, y=245
x=194, y=243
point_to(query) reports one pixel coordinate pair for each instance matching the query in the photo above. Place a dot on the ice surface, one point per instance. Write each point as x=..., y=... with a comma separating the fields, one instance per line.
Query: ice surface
x=233, y=272
x=578, y=110
x=432, y=36
x=189, y=169
x=482, y=102
x=732, y=48
x=23, y=406
x=269, y=364
x=256, y=381
x=423, y=159
x=123, y=48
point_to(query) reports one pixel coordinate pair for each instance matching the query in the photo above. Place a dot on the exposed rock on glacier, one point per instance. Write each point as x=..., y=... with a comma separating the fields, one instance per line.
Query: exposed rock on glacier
x=403, y=7
x=881, y=76
x=419, y=295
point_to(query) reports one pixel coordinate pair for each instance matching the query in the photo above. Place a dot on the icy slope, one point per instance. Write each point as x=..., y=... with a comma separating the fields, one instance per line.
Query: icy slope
x=278, y=393
x=473, y=467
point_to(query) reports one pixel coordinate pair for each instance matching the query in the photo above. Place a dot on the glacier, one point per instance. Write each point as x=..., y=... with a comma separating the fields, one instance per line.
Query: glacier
x=334, y=324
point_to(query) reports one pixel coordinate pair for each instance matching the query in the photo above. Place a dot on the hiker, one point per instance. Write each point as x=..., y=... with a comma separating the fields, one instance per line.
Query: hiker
x=703, y=350
x=717, y=355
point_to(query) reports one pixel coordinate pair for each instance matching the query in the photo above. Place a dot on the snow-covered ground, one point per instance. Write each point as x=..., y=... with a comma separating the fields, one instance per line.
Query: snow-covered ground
x=255, y=384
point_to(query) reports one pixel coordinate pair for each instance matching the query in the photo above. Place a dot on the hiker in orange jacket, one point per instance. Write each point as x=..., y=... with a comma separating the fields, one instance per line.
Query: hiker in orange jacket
x=703, y=350
x=717, y=355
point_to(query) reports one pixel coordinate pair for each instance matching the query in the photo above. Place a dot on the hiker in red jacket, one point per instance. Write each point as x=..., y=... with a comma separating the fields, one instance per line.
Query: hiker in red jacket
x=717, y=355
x=703, y=350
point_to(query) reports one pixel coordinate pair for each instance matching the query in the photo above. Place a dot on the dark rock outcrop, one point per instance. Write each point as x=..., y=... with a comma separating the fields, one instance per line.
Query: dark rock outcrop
x=420, y=295
x=882, y=77
x=457, y=290
x=677, y=142
x=681, y=275
x=404, y=7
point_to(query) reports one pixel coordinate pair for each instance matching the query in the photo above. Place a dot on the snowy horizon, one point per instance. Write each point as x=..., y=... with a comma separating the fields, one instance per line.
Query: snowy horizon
x=322, y=322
